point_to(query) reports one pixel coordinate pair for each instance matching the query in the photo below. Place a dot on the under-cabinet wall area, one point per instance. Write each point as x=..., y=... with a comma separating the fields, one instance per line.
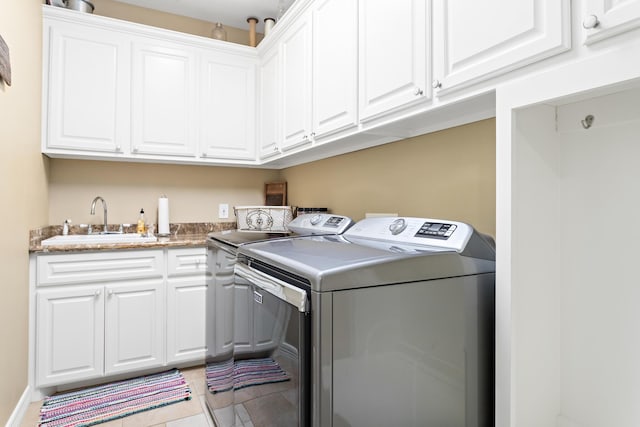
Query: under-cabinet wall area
x=448, y=174
x=575, y=248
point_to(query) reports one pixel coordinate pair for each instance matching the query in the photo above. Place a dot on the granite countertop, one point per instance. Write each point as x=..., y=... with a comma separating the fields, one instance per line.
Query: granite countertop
x=181, y=235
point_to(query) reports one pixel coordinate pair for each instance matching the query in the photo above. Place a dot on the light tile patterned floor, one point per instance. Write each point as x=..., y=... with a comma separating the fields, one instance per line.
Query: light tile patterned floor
x=192, y=413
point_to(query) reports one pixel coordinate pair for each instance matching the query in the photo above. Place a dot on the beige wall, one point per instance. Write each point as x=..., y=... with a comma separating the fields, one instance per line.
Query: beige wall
x=127, y=12
x=23, y=189
x=448, y=174
x=194, y=192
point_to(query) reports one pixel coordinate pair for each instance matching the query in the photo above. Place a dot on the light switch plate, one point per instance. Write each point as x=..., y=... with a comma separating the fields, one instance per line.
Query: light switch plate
x=223, y=210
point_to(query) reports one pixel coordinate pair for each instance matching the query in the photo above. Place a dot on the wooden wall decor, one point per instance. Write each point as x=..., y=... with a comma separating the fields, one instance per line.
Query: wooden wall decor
x=275, y=194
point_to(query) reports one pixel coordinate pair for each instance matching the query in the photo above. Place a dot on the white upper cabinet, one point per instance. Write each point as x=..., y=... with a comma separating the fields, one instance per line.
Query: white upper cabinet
x=295, y=52
x=163, y=99
x=86, y=89
x=269, y=100
x=474, y=41
x=394, y=52
x=606, y=18
x=335, y=66
x=228, y=107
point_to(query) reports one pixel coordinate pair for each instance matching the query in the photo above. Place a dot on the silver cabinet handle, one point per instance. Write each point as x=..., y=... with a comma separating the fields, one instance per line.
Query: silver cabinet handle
x=418, y=92
x=590, y=22
x=436, y=84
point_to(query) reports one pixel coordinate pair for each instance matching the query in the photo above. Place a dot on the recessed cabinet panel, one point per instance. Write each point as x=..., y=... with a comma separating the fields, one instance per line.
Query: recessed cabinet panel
x=134, y=326
x=87, y=88
x=393, y=55
x=70, y=334
x=474, y=41
x=269, y=104
x=163, y=99
x=612, y=17
x=295, y=49
x=335, y=66
x=186, y=319
x=228, y=112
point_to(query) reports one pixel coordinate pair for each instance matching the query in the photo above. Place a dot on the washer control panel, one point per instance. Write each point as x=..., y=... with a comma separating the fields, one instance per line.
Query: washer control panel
x=443, y=234
x=320, y=223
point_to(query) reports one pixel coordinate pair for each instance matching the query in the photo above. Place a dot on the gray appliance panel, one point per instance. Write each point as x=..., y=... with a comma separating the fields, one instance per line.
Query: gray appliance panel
x=333, y=263
x=413, y=354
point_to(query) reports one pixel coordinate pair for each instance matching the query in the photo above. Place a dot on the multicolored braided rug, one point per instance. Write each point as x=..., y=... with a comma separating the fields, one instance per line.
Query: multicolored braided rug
x=119, y=399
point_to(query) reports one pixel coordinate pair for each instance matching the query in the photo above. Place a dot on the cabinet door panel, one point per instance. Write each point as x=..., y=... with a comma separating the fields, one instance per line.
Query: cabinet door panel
x=475, y=41
x=393, y=55
x=296, y=90
x=614, y=16
x=134, y=326
x=163, y=99
x=186, y=319
x=228, y=111
x=70, y=334
x=269, y=104
x=88, y=88
x=335, y=66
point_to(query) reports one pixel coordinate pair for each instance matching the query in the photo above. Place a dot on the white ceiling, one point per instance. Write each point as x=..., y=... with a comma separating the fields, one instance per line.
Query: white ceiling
x=233, y=13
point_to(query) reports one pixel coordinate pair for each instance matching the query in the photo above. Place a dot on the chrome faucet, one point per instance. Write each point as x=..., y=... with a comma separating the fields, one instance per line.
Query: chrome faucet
x=93, y=211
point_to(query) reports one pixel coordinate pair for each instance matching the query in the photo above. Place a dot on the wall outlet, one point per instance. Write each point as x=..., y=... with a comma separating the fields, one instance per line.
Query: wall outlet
x=223, y=210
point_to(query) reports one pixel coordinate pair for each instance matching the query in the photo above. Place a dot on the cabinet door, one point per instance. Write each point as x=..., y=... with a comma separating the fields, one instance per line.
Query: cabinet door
x=86, y=90
x=335, y=66
x=134, y=325
x=70, y=334
x=228, y=107
x=474, y=41
x=393, y=55
x=613, y=17
x=295, y=49
x=269, y=104
x=163, y=99
x=186, y=304
x=186, y=318
x=220, y=304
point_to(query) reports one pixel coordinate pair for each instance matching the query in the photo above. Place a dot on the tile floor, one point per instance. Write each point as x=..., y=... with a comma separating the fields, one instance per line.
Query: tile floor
x=192, y=413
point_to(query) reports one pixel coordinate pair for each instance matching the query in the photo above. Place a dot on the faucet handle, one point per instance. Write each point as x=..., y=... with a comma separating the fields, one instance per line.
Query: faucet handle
x=87, y=226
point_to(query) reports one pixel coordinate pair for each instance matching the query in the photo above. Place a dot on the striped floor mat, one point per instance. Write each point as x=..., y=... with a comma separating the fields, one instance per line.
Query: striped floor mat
x=107, y=402
x=224, y=376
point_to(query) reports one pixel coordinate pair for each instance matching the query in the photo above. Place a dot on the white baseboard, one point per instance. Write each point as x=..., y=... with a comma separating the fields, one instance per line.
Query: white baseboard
x=15, y=420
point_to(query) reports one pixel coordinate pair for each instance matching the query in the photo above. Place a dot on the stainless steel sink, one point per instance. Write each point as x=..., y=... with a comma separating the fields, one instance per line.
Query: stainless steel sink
x=97, y=239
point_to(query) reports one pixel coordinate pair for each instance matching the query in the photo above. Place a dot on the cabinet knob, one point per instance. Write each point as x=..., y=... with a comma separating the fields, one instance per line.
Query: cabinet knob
x=436, y=84
x=204, y=154
x=418, y=92
x=97, y=293
x=313, y=134
x=135, y=149
x=590, y=22
x=118, y=149
x=110, y=292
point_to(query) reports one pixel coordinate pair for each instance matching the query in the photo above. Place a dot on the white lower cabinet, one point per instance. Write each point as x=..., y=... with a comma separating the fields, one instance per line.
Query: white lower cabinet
x=186, y=304
x=105, y=313
x=70, y=334
x=134, y=331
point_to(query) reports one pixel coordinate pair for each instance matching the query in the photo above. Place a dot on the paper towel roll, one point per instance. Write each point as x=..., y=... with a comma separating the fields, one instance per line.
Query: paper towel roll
x=163, y=216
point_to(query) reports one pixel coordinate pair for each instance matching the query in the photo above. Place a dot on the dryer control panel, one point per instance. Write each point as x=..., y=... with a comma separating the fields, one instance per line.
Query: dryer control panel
x=320, y=223
x=434, y=233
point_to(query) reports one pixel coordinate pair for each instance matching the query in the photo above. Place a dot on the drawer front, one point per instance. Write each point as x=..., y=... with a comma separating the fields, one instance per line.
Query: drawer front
x=63, y=269
x=187, y=261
